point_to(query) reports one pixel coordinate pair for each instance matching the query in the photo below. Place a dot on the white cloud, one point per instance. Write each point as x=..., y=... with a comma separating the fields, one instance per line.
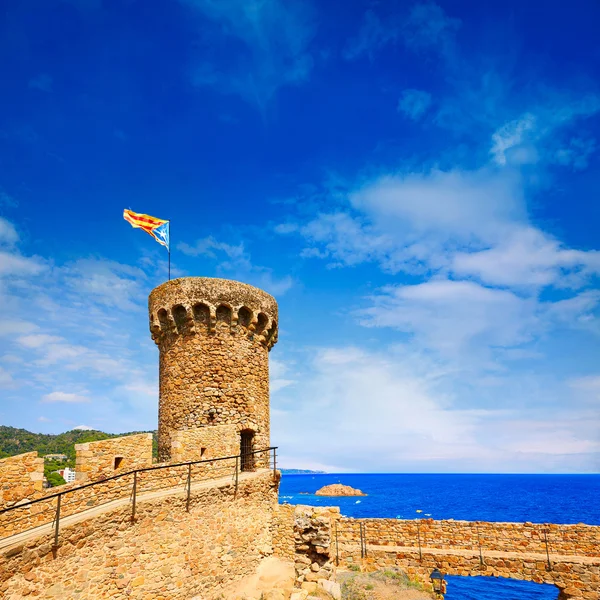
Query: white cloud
x=16, y=327
x=530, y=137
x=44, y=420
x=6, y=379
x=528, y=257
x=454, y=316
x=8, y=233
x=415, y=221
x=236, y=262
x=106, y=282
x=83, y=428
x=417, y=415
x=65, y=397
x=277, y=375
x=14, y=264
x=38, y=340
x=414, y=103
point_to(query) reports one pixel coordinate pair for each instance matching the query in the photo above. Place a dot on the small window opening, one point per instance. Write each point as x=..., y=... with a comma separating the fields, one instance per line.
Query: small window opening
x=202, y=451
x=118, y=461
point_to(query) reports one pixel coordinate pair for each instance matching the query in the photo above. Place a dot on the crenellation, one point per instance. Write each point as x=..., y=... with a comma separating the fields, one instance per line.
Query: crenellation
x=98, y=460
x=21, y=478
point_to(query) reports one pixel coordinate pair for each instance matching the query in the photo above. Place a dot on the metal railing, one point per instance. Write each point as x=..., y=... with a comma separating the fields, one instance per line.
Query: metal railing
x=135, y=488
x=546, y=539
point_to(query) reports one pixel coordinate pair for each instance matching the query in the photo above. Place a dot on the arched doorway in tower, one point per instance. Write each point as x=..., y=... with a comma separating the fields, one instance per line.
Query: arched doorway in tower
x=246, y=449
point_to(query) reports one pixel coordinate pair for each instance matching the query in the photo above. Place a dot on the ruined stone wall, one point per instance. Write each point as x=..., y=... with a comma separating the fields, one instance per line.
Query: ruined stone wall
x=167, y=554
x=21, y=477
x=314, y=541
x=105, y=458
x=214, y=337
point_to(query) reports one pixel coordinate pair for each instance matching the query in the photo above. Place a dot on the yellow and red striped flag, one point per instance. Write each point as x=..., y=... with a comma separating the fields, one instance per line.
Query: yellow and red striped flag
x=157, y=228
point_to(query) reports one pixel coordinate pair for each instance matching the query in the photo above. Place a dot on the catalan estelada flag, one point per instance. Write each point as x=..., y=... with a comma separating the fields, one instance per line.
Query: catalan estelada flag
x=157, y=228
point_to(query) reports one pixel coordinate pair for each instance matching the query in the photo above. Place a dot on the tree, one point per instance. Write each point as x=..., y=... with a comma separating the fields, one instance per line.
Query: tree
x=55, y=479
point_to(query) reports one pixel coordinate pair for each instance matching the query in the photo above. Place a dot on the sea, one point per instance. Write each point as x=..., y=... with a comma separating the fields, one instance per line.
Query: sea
x=471, y=497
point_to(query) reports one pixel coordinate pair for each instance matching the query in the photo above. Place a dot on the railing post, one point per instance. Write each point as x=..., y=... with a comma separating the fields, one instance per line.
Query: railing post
x=237, y=470
x=361, y=546
x=419, y=539
x=189, y=488
x=57, y=522
x=479, y=543
x=365, y=538
x=274, y=462
x=547, y=551
x=337, y=548
x=134, y=496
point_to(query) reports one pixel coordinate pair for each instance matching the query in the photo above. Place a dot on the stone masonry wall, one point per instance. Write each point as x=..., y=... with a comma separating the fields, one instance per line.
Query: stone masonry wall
x=79, y=498
x=203, y=443
x=167, y=554
x=96, y=460
x=214, y=338
x=282, y=532
x=21, y=477
x=580, y=540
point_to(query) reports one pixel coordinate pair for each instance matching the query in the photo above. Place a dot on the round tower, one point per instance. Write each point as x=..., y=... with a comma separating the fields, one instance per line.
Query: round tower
x=214, y=337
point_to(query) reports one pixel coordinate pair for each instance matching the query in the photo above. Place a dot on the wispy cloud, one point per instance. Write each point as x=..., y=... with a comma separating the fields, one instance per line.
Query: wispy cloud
x=67, y=397
x=374, y=35
x=528, y=138
x=273, y=47
x=426, y=27
x=414, y=103
x=70, y=328
x=235, y=261
x=416, y=414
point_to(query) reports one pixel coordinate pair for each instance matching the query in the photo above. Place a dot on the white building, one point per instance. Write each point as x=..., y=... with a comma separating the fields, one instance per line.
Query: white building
x=68, y=474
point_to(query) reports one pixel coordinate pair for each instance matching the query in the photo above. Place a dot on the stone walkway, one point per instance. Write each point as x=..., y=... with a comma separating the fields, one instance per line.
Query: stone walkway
x=18, y=539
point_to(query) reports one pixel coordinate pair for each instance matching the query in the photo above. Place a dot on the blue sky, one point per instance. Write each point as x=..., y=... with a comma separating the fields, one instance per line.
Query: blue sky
x=416, y=182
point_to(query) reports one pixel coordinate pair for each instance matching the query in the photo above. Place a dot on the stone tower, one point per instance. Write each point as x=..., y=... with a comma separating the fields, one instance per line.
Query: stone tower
x=214, y=337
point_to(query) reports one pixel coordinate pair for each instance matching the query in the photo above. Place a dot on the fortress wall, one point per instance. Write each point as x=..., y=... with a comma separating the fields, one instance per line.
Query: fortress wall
x=105, y=458
x=80, y=499
x=282, y=532
x=167, y=553
x=21, y=477
x=580, y=539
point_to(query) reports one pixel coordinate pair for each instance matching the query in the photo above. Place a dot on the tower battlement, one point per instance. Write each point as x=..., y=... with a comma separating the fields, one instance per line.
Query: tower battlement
x=202, y=305
x=214, y=337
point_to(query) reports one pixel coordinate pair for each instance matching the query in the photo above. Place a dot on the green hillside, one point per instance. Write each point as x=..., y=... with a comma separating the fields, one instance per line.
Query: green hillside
x=16, y=441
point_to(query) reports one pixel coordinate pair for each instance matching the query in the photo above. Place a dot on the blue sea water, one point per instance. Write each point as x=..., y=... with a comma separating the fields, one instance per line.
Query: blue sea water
x=518, y=498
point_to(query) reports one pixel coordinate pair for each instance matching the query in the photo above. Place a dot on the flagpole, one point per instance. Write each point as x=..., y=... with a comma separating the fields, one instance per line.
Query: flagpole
x=169, y=249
